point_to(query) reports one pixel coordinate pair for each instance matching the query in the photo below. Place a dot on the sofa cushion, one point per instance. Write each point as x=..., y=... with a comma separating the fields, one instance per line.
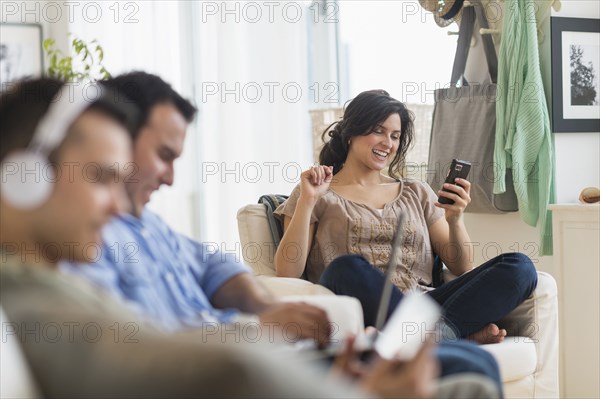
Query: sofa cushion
x=516, y=357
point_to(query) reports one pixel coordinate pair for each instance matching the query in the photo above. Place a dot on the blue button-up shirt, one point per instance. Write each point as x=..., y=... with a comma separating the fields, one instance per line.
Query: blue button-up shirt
x=169, y=277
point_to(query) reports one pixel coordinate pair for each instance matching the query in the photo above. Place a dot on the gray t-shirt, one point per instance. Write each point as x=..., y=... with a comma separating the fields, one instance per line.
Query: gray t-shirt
x=79, y=342
x=345, y=227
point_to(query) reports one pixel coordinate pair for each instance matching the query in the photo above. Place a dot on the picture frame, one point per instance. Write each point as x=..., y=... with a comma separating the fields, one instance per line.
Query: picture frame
x=575, y=74
x=21, y=53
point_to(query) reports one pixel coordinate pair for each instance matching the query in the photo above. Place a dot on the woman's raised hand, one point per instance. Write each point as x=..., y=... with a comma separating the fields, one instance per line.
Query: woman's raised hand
x=298, y=230
x=314, y=182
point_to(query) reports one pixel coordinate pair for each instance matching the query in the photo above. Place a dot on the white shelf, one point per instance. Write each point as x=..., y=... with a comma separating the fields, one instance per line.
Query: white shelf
x=576, y=230
x=575, y=207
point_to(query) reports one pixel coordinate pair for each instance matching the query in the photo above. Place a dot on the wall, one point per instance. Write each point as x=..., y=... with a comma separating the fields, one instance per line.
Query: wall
x=52, y=17
x=577, y=154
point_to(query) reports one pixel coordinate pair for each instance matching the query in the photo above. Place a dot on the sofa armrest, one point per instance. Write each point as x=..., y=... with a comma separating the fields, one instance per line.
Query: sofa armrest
x=344, y=312
x=258, y=248
x=286, y=286
x=537, y=319
x=538, y=313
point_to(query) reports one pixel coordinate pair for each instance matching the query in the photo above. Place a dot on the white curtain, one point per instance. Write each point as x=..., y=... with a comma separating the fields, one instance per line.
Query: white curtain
x=253, y=89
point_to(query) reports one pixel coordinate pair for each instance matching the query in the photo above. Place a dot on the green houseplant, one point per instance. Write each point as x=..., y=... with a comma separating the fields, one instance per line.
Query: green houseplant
x=85, y=63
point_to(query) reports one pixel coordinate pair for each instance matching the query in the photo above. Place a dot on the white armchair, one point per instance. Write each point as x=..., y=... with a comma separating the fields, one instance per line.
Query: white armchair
x=528, y=358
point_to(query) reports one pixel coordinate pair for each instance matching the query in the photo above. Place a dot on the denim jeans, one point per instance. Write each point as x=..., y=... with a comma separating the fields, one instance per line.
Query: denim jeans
x=461, y=356
x=484, y=295
x=470, y=302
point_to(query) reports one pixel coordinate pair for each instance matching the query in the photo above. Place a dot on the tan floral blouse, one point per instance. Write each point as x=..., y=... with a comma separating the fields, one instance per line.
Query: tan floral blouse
x=345, y=227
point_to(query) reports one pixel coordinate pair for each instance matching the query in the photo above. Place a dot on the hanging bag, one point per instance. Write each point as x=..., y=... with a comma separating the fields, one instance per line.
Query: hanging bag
x=464, y=125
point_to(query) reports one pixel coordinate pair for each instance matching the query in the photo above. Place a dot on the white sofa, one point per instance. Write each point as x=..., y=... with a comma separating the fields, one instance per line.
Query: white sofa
x=16, y=380
x=528, y=358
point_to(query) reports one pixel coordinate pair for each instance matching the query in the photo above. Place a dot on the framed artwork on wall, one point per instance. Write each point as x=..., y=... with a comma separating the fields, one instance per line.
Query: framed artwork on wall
x=20, y=52
x=575, y=74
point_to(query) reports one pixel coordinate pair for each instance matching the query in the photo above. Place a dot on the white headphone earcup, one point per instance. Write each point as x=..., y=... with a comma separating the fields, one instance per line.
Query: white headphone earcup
x=27, y=179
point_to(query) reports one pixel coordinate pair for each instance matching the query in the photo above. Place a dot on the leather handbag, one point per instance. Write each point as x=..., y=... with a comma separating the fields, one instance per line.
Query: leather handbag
x=464, y=125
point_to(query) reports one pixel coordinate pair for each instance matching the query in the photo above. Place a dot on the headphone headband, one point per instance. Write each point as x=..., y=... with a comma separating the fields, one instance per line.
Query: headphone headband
x=65, y=108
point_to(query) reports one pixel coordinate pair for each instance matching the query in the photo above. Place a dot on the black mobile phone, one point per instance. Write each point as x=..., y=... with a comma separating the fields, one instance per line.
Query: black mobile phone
x=458, y=169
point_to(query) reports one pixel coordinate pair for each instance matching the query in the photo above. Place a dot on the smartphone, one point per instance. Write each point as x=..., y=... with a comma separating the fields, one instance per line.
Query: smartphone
x=458, y=169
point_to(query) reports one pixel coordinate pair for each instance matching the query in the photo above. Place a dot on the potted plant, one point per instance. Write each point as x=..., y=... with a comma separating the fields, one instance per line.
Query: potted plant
x=85, y=63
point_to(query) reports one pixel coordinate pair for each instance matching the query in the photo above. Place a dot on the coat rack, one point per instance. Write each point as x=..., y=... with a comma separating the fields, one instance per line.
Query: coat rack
x=555, y=5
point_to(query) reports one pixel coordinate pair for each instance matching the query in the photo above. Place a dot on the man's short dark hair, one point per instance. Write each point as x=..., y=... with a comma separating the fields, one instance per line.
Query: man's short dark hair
x=146, y=91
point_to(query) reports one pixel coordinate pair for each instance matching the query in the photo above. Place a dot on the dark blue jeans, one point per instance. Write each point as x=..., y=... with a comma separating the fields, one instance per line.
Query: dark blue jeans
x=470, y=302
x=462, y=356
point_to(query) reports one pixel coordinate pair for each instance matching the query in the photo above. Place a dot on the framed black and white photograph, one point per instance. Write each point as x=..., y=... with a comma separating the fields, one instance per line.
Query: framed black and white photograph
x=575, y=74
x=20, y=52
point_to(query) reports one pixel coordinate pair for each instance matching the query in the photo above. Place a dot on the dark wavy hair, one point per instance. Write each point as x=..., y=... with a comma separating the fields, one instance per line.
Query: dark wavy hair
x=361, y=115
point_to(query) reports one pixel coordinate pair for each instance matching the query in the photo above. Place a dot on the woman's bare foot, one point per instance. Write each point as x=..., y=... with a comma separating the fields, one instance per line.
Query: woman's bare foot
x=490, y=334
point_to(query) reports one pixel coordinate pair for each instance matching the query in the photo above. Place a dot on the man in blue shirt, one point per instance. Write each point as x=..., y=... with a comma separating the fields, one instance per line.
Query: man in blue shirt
x=173, y=280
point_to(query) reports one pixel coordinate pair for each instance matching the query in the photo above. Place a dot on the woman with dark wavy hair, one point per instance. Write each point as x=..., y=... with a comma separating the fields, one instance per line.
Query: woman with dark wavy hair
x=340, y=220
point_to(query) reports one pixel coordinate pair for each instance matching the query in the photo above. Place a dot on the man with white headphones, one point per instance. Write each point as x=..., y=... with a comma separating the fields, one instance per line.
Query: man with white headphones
x=41, y=209
x=52, y=208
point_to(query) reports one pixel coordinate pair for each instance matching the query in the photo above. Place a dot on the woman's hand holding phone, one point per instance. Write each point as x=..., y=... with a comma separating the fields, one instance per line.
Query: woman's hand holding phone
x=455, y=193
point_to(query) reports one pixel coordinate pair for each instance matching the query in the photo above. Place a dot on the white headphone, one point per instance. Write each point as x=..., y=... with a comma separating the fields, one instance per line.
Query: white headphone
x=27, y=174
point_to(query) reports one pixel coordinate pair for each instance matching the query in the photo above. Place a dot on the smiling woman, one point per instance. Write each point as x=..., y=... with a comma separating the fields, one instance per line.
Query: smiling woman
x=375, y=131
x=342, y=216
